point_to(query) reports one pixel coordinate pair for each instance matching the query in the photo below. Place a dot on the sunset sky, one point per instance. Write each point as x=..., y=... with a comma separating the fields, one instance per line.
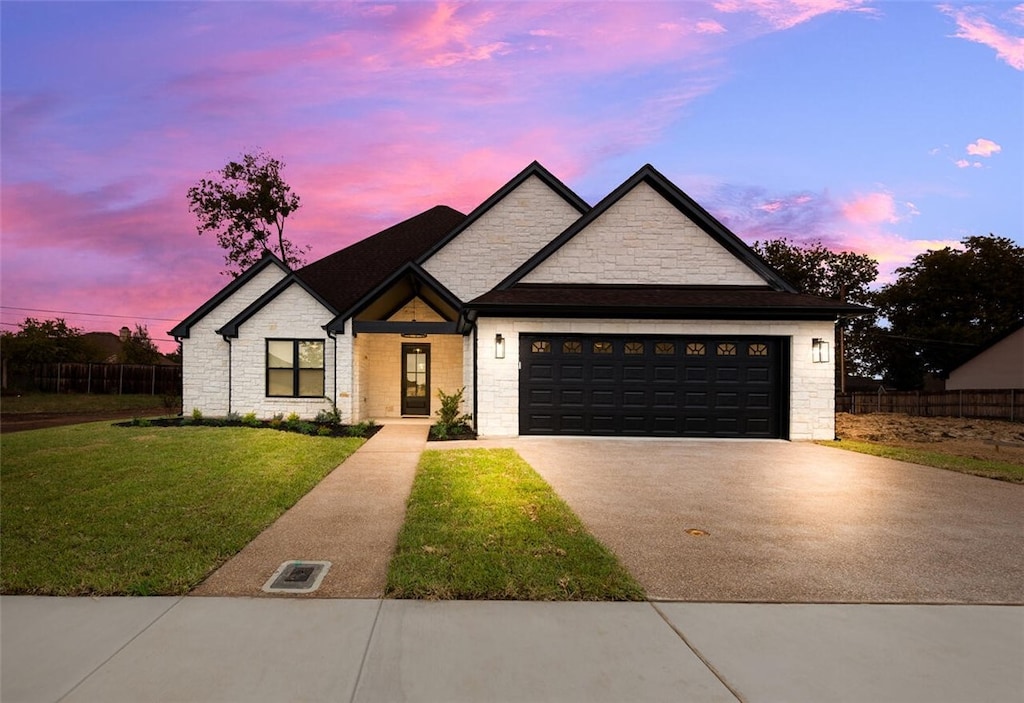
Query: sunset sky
x=882, y=128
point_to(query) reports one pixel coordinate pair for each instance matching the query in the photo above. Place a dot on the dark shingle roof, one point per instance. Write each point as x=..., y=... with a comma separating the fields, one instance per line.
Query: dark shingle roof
x=645, y=301
x=342, y=278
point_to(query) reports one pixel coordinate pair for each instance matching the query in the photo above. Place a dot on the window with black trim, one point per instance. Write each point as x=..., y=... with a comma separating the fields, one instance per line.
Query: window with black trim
x=572, y=346
x=295, y=368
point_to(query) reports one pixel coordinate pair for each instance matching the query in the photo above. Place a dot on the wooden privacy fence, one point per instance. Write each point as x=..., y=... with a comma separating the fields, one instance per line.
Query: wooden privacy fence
x=119, y=379
x=1007, y=404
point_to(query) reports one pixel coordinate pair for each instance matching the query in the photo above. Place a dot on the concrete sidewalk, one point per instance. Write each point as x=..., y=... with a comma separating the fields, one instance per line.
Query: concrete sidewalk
x=249, y=649
x=350, y=519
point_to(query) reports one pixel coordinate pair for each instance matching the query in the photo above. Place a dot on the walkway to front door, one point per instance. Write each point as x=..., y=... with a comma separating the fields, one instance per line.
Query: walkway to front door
x=415, y=379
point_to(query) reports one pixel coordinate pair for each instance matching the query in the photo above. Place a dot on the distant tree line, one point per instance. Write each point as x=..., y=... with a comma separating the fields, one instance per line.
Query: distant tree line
x=934, y=316
x=54, y=341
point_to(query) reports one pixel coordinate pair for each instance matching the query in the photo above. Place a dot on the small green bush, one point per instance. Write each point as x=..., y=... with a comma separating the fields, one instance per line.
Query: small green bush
x=328, y=417
x=360, y=429
x=449, y=419
x=197, y=415
x=250, y=420
x=141, y=422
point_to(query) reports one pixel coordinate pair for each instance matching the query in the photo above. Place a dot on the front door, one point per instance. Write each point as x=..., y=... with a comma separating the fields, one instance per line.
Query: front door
x=415, y=379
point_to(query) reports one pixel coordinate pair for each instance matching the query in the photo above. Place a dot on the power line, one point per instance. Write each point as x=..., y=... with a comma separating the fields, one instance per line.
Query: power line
x=90, y=314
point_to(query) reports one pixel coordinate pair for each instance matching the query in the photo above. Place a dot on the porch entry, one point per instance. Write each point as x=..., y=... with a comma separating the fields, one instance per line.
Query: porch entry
x=415, y=379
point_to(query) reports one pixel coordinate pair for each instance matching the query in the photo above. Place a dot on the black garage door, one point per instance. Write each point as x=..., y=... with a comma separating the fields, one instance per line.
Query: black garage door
x=671, y=386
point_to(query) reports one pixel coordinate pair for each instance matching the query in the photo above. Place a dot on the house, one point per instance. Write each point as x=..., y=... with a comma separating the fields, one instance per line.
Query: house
x=998, y=364
x=109, y=348
x=641, y=315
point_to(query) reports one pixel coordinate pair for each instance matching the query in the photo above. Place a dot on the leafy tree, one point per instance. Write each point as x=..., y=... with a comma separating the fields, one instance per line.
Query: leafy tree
x=946, y=303
x=139, y=348
x=43, y=342
x=246, y=206
x=844, y=275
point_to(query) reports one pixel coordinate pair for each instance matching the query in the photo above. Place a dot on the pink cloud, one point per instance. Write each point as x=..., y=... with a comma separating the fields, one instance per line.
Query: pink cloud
x=871, y=208
x=983, y=147
x=862, y=224
x=973, y=26
x=710, y=27
x=786, y=14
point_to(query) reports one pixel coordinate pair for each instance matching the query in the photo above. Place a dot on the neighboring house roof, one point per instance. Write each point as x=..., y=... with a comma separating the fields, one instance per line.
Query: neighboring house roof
x=684, y=203
x=998, y=363
x=342, y=279
x=107, y=348
x=104, y=347
x=647, y=301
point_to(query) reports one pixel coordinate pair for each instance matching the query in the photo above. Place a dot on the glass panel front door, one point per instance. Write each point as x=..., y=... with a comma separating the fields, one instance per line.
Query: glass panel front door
x=415, y=379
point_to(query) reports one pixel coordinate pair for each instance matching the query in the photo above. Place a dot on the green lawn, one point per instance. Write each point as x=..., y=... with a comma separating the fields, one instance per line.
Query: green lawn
x=481, y=524
x=1002, y=470
x=78, y=403
x=102, y=510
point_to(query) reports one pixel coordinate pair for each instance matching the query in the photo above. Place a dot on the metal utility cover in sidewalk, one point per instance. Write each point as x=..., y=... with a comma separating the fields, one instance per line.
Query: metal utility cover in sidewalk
x=297, y=577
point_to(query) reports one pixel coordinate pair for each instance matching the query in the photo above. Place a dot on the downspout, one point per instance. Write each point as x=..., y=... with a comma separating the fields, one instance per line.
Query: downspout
x=334, y=396
x=228, y=340
x=476, y=394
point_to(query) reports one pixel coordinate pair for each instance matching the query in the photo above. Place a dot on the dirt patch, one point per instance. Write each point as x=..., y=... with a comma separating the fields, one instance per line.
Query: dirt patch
x=995, y=440
x=19, y=422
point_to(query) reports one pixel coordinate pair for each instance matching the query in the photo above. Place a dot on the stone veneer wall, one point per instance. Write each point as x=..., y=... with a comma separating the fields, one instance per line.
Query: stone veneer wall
x=643, y=239
x=205, y=353
x=378, y=372
x=293, y=314
x=811, y=391
x=501, y=239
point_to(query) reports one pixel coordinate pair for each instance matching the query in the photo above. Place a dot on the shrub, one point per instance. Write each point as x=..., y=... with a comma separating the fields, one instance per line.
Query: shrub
x=197, y=415
x=277, y=420
x=360, y=429
x=329, y=417
x=293, y=421
x=250, y=420
x=449, y=419
x=141, y=422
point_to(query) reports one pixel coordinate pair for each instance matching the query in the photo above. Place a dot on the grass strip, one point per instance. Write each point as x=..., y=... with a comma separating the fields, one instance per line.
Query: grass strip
x=481, y=524
x=1004, y=471
x=100, y=510
x=76, y=403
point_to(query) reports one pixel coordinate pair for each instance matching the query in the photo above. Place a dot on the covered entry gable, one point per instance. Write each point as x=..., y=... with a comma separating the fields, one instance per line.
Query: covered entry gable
x=647, y=232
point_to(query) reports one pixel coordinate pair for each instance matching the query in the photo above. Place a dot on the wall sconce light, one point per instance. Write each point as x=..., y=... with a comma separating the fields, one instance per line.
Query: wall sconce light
x=499, y=346
x=819, y=351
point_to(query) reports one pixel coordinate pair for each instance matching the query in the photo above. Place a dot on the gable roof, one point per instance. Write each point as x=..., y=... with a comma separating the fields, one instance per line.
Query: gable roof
x=181, y=330
x=230, y=328
x=534, y=169
x=410, y=270
x=682, y=202
x=343, y=278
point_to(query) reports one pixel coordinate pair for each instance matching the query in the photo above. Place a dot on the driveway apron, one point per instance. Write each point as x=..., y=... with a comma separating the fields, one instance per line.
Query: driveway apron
x=351, y=519
x=773, y=521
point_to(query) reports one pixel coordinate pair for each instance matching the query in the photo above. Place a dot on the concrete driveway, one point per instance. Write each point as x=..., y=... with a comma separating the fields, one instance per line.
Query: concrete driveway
x=789, y=522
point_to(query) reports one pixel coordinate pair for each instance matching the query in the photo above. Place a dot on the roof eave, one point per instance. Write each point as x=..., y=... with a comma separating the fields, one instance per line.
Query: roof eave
x=181, y=330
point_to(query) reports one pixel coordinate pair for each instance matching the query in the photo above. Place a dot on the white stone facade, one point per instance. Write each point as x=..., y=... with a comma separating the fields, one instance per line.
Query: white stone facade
x=811, y=385
x=205, y=353
x=294, y=314
x=643, y=239
x=501, y=240
x=640, y=239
